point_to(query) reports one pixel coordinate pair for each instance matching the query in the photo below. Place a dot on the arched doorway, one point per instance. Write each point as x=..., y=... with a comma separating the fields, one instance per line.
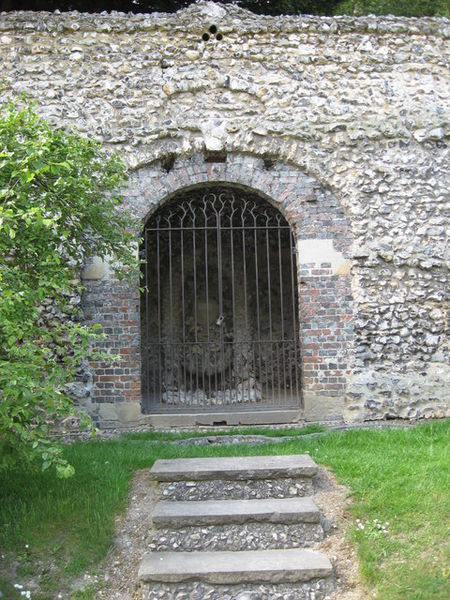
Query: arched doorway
x=219, y=317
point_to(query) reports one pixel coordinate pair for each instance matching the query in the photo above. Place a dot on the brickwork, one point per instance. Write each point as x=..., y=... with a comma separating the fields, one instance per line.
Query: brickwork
x=327, y=330
x=116, y=307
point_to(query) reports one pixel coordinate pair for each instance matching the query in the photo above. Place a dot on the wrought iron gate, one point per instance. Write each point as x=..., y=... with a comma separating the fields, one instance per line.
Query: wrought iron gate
x=219, y=315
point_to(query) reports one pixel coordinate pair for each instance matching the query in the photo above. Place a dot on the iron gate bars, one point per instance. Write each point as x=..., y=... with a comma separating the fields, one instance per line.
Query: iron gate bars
x=220, y=314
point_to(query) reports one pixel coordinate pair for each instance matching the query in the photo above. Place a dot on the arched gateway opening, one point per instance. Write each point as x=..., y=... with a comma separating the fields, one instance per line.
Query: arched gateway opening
x=219, y=318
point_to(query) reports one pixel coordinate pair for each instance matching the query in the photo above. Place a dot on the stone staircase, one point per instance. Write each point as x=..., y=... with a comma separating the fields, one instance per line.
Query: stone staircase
x=236, y=529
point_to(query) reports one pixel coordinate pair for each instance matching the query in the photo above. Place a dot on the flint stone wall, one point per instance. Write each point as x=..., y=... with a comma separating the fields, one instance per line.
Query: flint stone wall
x=357, y=105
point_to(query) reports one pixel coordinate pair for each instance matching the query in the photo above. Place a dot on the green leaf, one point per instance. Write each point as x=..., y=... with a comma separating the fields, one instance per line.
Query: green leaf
x=55, y=187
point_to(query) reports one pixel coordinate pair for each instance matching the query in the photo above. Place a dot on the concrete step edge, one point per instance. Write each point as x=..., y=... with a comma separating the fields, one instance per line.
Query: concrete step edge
x=228, y=468
x=272, y=566
x=224, y=512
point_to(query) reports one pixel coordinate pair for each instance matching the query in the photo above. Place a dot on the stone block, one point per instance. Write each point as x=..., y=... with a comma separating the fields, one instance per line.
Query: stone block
x=221, y=512
x=322, y=408
x=274, y=566
x=247, y=467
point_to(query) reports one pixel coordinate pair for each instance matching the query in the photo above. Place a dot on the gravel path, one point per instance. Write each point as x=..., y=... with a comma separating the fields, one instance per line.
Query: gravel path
x=135, y=536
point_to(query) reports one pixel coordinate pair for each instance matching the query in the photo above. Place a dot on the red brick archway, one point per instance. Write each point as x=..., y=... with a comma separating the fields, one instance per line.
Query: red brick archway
x=322, y=242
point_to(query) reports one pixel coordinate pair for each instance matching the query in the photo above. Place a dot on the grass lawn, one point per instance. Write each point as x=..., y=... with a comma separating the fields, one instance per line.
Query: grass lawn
x=53, y=530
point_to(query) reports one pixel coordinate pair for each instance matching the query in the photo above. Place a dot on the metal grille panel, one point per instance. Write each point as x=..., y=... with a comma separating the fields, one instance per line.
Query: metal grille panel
x=219, y=317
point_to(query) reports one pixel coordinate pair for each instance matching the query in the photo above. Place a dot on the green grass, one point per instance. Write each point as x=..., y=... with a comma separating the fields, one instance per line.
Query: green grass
x=399, y=476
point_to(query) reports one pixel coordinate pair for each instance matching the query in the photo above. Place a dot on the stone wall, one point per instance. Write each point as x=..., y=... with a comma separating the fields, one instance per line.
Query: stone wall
x=357, y=106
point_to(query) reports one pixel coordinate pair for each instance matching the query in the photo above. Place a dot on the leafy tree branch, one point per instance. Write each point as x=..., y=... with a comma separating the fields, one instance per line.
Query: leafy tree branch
x=60, y=203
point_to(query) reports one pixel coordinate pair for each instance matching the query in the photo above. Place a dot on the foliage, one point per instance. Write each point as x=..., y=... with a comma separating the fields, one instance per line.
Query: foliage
x=53, y=529
x=405, y=8
x=58, y=206
x=290, y=7
x=415, y=8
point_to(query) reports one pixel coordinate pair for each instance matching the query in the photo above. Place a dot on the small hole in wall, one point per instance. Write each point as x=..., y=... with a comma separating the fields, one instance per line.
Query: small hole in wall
x=212, y=31
x=215, y=157
x=168, y=162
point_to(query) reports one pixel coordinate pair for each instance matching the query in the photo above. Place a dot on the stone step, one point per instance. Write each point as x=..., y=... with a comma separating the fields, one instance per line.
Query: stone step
x=273, y=566
x=228, y=468
x=224, y=512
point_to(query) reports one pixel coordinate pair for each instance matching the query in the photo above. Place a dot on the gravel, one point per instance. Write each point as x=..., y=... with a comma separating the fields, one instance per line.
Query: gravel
x=317, y=589
x=224, y=490
x=252, y=536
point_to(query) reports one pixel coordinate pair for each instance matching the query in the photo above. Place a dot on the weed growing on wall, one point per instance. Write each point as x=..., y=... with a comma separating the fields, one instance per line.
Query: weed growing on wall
x=59, y=205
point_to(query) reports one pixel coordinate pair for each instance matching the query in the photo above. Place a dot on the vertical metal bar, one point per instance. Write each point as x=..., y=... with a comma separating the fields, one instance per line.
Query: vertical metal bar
x=158, y=277
x=146, y=354
x=247, y=329
x=200, y=378
x=213, y=344
x=183, y=315
x=269, y=293
x=194, y=262
x=208, y=338
x=154, y=346
x=233, y=304
x=258, y=316
x=171, y=335
x=280, y=267
x=178, y=344
x=294, y=309
x=220, y=293
x=189, y=349
x=179, y=356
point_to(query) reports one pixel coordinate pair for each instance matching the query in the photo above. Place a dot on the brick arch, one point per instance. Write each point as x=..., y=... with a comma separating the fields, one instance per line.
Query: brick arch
x=282, y=180
x=323, y=240
x=284, y=152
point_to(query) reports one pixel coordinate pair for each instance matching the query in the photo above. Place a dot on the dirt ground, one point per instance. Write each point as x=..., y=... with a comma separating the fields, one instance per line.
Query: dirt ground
x=119, y=570
x=333, y=500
